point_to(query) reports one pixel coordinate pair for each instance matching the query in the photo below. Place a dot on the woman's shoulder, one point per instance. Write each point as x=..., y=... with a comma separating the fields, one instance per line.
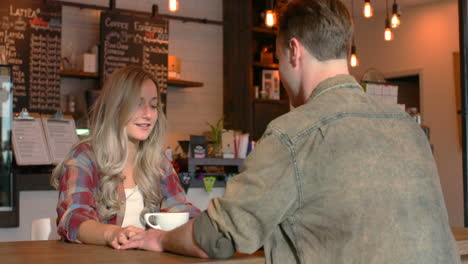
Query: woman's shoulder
x=166, y=167
x=81, y=153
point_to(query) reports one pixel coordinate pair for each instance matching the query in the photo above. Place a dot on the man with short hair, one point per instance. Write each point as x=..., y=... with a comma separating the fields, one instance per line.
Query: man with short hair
x=342, y=178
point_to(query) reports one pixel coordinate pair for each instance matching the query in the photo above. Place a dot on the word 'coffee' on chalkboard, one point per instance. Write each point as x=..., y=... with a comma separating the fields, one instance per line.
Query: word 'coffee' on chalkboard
x=129, y=40
x=30, y=36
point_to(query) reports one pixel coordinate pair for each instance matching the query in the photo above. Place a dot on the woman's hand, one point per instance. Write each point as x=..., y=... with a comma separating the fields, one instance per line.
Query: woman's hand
x=148, y=240
x=119, y=236
x=180, y=240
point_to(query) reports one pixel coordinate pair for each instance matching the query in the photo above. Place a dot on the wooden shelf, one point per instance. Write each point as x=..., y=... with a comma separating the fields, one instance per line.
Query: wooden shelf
x=269, y=101
x=183, y=83
x=90, y=75
x=266, y=65
x=79, y=74
x=264, y=30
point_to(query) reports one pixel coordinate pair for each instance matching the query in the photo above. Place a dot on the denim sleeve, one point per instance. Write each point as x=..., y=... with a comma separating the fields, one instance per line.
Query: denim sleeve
x=214, y=243
x=258, y=199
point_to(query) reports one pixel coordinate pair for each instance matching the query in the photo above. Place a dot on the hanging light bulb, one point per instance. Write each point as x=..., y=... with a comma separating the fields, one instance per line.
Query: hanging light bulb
x=173, y=5
x=388, y=35
x=270, y=15
x=353, y=60
x=270, y=18
x=368, y=11
x=395, y=21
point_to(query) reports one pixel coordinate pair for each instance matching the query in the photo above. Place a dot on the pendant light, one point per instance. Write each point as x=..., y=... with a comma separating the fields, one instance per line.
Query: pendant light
x=353, y=60
x=388, y=35
x=270, y=18
x=173, y=5
x=395, y=21
x=270, y=15
x=388, y=31
x=368, y=11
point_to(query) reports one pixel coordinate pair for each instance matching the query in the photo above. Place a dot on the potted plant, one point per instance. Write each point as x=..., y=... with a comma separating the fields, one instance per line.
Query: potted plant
x=215, y=136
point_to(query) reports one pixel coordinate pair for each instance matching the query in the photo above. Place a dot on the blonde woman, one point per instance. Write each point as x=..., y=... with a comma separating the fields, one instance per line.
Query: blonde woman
x=117, y=174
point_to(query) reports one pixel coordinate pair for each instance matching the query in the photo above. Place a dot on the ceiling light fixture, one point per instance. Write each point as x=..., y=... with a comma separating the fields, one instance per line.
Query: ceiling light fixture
x=270, y=15
x=368, y=11
x=270, y=18
x=173, y=5
x=395, y=22
x=353, y=60
x=388, y=35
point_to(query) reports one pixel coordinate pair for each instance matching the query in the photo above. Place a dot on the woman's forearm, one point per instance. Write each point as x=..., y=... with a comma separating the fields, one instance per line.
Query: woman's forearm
x=93, y=232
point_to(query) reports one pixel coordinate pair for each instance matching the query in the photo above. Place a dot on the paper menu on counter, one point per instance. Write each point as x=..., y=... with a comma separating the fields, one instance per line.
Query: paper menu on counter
x=29, y=142
x=60, y=136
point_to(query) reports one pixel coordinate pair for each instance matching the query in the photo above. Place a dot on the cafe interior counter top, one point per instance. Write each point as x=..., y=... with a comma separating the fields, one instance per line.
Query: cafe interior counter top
x=57, y=252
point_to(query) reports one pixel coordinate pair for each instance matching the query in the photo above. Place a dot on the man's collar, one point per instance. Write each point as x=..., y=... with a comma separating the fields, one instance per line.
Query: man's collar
x=333, y=82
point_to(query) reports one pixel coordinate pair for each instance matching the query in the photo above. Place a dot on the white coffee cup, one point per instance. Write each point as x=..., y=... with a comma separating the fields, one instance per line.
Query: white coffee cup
x=167, y=221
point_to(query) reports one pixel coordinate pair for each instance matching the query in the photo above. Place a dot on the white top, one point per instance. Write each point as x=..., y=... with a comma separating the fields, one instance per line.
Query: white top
x=133, y=207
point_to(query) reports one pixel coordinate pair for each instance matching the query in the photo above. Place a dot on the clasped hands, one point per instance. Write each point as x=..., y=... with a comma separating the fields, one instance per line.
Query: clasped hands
x=134, y=237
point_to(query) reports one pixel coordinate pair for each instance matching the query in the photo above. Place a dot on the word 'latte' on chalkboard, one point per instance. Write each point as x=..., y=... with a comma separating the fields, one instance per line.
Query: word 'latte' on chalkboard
x=128, y=40
x=30, y=35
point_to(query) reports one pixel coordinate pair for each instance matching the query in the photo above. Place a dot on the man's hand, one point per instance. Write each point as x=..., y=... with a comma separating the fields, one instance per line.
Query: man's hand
x=179, y=240
x=147, y=240
x=119, y=236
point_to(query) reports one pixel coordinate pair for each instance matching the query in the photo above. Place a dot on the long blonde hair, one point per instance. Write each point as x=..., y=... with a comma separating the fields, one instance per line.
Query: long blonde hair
x=108, y=138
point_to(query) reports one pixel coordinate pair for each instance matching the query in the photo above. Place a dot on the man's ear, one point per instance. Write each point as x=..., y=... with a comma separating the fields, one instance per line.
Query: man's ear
x=294, y=52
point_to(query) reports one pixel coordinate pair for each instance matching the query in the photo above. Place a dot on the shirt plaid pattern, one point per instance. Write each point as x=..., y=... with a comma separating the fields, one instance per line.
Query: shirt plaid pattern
x=79, y=182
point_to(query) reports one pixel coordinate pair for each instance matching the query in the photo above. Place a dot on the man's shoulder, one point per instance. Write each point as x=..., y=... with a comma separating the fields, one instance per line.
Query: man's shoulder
x=308, y=115
x=329, y=108
x=295, y=122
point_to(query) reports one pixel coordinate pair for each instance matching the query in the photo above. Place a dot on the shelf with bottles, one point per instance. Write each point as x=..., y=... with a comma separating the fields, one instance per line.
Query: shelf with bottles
x=263, y=50
x=266, y=84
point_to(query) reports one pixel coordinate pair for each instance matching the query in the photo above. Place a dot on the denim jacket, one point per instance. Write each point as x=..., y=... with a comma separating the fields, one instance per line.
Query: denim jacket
x=343, y=178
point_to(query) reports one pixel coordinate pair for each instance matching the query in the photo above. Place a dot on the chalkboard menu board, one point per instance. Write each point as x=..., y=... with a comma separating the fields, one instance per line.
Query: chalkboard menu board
x=129, y=40
x=30, y=34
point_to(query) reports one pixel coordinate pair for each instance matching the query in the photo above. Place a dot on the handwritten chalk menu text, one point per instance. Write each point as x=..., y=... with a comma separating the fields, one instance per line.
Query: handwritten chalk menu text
x=30, y=34
x=130, y=40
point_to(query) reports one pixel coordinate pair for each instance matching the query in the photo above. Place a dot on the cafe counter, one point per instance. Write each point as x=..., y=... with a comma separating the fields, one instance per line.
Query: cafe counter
x=57, y=252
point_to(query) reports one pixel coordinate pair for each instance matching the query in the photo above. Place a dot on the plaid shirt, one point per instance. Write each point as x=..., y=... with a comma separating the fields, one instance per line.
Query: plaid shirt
x=79, y=182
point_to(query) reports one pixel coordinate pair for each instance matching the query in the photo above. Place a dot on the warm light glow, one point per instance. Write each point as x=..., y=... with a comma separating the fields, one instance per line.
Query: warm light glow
x=395, y=22
x=353, y=61
x=270, y=19
x=388, y=34
x=173, y=5
x=368, y=10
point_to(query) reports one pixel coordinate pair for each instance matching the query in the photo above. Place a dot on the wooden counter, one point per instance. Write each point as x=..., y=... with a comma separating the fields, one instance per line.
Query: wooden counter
x=461, y=236
x=460, y=233
x=56, y=252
